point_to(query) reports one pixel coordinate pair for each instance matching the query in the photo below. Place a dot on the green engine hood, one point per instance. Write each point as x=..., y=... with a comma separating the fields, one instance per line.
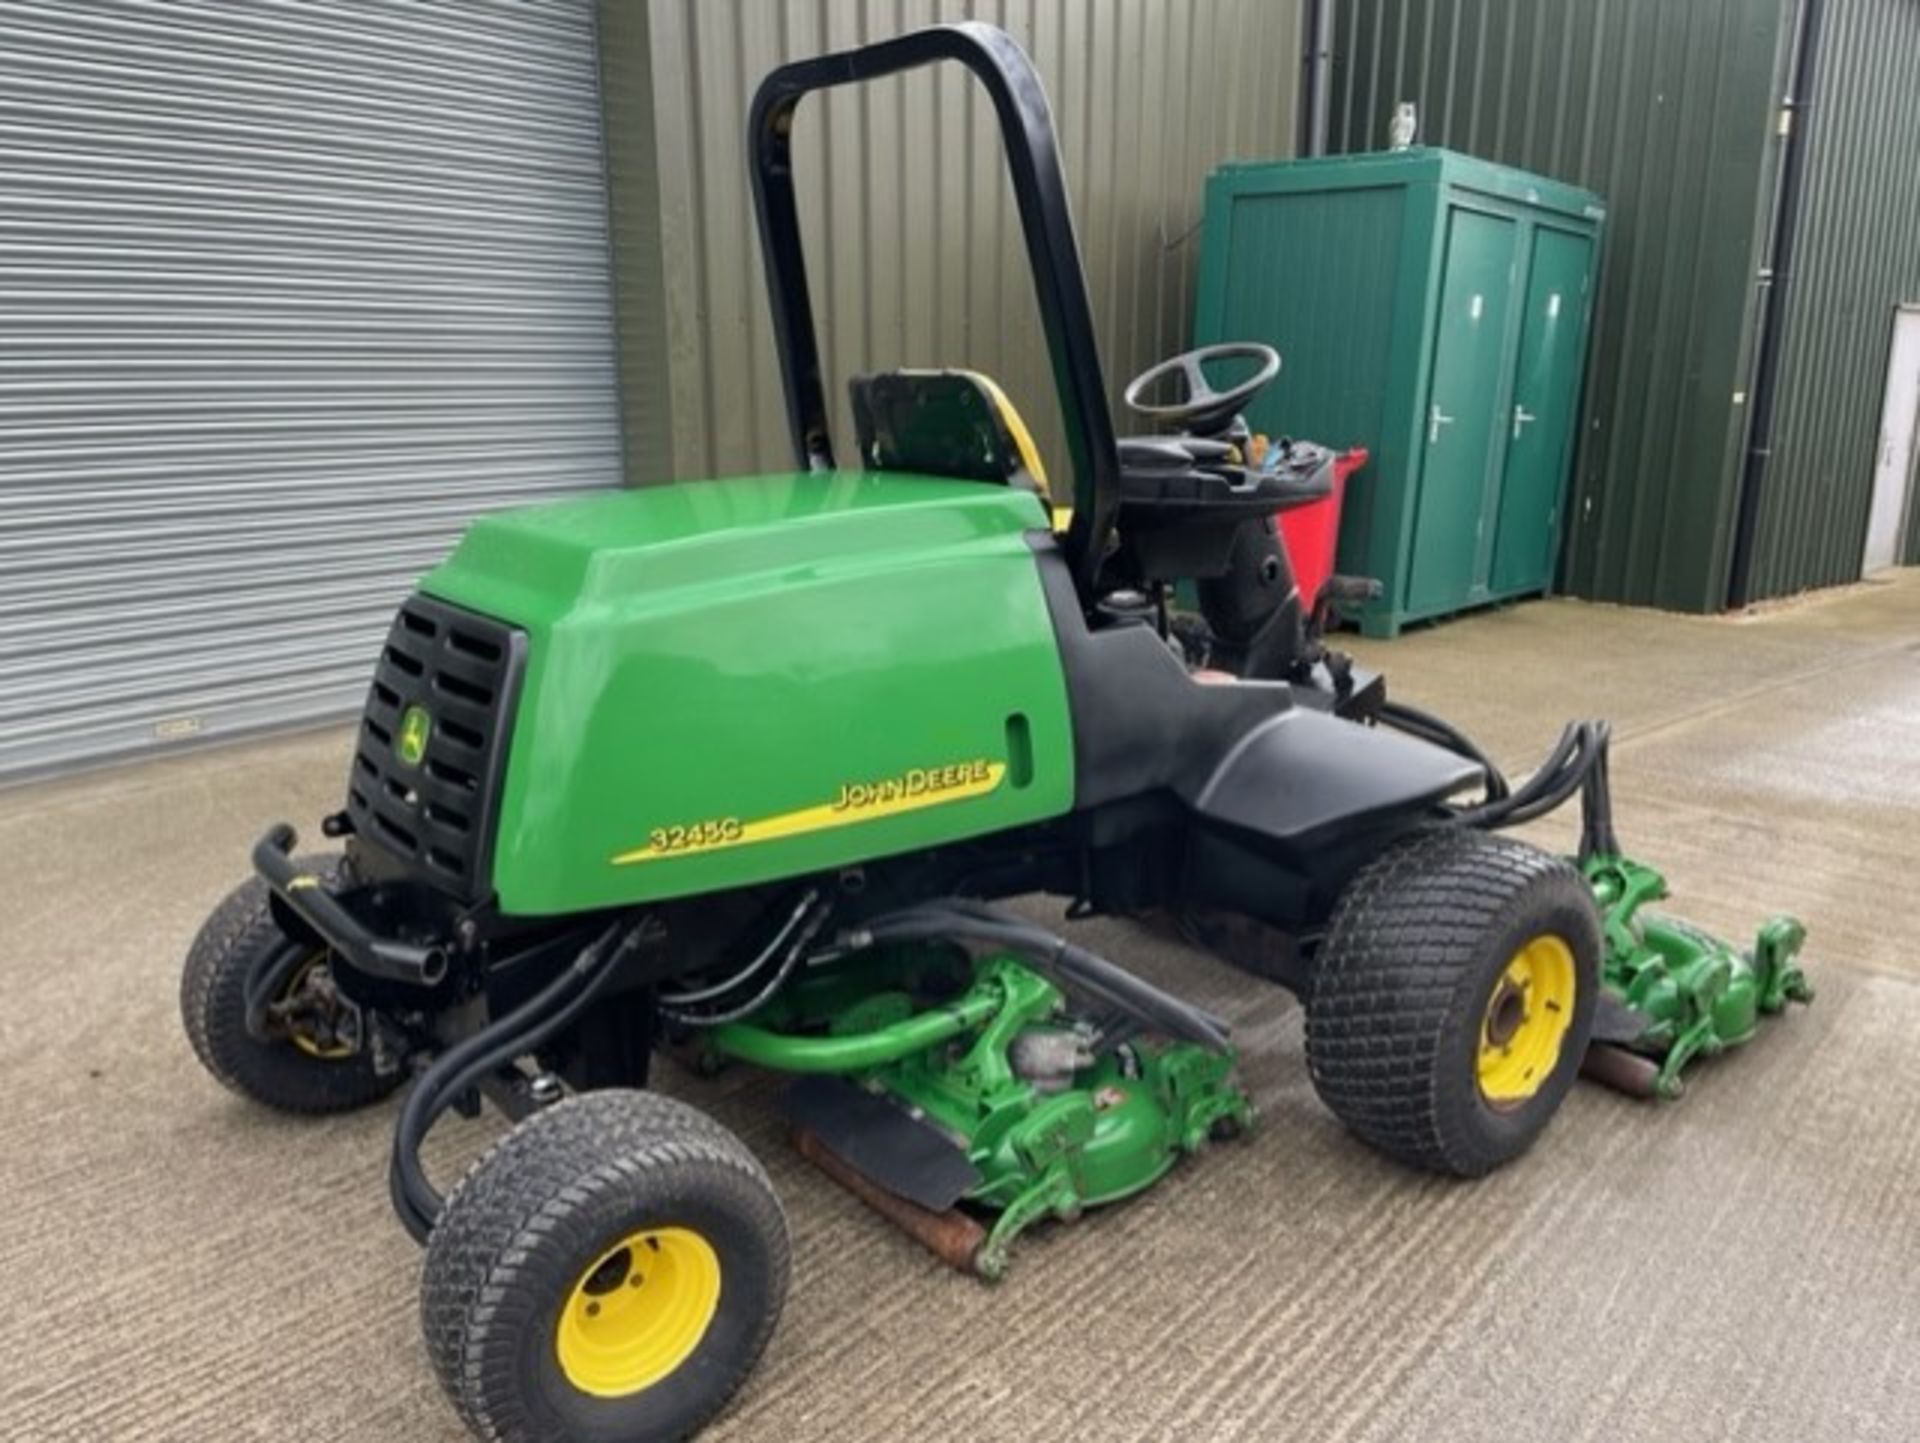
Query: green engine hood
x=731, y=681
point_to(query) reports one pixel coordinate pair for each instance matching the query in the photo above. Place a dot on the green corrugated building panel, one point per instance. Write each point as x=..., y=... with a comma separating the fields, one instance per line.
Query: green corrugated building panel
x=1338, y=263
x=1667, y=110
x=1858, y=258
x=633, y=224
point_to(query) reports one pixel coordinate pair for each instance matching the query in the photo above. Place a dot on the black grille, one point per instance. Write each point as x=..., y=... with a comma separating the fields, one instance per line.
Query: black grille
x=436, y=815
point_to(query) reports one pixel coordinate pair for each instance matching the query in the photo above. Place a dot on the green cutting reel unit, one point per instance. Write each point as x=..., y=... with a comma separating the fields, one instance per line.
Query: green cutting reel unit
x=1673, y=992
x=934, y=1078
x=747, y=770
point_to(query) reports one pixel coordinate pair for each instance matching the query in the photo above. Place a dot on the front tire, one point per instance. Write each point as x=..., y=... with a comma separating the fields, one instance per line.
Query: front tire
x=1453, y=999
x=302, y=1071
x=609, y=1273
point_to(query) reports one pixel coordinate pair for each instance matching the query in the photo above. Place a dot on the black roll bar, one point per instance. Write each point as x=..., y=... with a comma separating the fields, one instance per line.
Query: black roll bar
x=1026, y=125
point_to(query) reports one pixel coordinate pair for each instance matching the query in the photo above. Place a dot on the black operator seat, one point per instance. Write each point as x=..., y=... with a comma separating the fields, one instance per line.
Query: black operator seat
x=946, y=423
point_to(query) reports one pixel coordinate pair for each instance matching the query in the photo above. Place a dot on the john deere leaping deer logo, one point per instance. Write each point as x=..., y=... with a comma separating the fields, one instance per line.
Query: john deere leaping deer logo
x=410, y=742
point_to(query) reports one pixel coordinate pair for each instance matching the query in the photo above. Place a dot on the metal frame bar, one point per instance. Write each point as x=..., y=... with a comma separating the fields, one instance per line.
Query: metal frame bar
x=1039, y=188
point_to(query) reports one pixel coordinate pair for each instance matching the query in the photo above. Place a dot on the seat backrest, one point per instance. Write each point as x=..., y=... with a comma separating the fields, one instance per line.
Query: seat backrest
x=944, y=423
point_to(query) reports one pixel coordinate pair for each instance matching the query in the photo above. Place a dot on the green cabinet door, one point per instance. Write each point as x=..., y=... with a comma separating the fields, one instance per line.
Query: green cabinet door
x=1546, y=395
x=1466, y=414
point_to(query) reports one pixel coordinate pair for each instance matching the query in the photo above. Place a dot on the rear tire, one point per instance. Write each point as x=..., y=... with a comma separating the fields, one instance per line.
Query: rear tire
x=1453, y=999
x=213, y=1008
x=609, y=1272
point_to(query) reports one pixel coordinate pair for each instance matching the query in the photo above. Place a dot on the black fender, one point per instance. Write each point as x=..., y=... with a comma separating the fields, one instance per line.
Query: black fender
x=1245, y=755
x=1302, y=775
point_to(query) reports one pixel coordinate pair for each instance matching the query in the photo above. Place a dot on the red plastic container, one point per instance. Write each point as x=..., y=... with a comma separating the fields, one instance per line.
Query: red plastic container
x=1311, y=532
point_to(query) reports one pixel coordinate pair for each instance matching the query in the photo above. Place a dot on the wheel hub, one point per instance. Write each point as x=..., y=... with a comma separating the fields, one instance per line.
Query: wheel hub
x=1527, y=1017
x=638, y=1312
x=318, y=1020
x=1506, y=1013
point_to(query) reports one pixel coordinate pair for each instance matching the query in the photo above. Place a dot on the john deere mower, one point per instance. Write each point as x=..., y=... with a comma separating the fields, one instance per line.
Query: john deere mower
x=743, y=767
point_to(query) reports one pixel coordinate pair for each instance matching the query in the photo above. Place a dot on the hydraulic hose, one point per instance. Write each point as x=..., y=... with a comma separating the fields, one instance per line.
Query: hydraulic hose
x=520, y=1031
x=267, y=980
x=1548, y=776
x=800, y=927
x=746, y=974
x=1578, y=762
x=1062, y=962
x=1091, y=973
x=1430, y=728
x=1596, y=807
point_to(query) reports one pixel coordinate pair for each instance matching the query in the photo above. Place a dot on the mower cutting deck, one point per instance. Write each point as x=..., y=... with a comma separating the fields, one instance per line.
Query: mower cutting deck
x=941, y=1080
x=740, y=767
x=1673, y=992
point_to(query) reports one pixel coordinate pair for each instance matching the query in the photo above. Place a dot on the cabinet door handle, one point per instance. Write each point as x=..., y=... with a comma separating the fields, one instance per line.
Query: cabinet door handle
x=1522, y=418
x=1438, y=419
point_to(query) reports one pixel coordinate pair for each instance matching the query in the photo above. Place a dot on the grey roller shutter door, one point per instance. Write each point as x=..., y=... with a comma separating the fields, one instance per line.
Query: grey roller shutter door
x=289, y=291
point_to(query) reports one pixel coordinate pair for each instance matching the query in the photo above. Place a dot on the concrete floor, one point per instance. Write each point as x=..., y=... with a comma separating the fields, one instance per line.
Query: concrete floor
x=1745, y=1264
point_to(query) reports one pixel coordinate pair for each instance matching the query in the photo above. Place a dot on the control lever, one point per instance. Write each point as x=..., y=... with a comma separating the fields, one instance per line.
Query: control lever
x=1351, y=589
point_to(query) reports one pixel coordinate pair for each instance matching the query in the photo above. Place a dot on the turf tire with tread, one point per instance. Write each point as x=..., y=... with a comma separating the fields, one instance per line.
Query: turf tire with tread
x=1400, y=988
x=538, y=1208
x=213, y=1008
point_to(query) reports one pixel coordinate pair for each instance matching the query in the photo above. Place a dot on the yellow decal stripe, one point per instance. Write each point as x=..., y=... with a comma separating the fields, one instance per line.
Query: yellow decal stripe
x=872, y=804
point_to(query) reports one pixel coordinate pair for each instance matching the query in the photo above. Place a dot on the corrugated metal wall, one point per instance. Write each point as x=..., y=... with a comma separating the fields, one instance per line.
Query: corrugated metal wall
x=1859, y=257
x=1666, y=109
x=288, y=291
x=633, y=214
x=911, y=231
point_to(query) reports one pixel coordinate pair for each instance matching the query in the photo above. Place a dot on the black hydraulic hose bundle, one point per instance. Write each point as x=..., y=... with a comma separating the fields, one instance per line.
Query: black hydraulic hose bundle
x=1069, y=966
x=1430, y=728
x=494, y=1046
x=1577, y=763
x=1597, y=837
x=794, y=934
x=1555, y=781
x=1064, y=963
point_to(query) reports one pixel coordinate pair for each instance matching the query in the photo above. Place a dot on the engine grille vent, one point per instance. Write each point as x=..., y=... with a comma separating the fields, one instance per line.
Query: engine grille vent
x=431, y=754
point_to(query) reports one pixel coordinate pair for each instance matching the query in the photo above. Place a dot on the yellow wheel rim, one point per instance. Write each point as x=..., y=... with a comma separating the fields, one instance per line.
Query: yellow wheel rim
x=638, y=1312
x=312, y=1046
x=1526, y=1019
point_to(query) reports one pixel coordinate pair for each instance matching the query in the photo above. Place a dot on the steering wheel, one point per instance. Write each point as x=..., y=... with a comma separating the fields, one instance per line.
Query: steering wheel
x=1205, y=408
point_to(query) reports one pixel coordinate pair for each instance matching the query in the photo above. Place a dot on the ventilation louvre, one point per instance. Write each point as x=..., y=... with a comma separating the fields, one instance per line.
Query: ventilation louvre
x=436, y=815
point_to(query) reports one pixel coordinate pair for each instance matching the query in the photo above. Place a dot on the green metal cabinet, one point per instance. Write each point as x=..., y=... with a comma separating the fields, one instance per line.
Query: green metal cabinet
x=1434, y=309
